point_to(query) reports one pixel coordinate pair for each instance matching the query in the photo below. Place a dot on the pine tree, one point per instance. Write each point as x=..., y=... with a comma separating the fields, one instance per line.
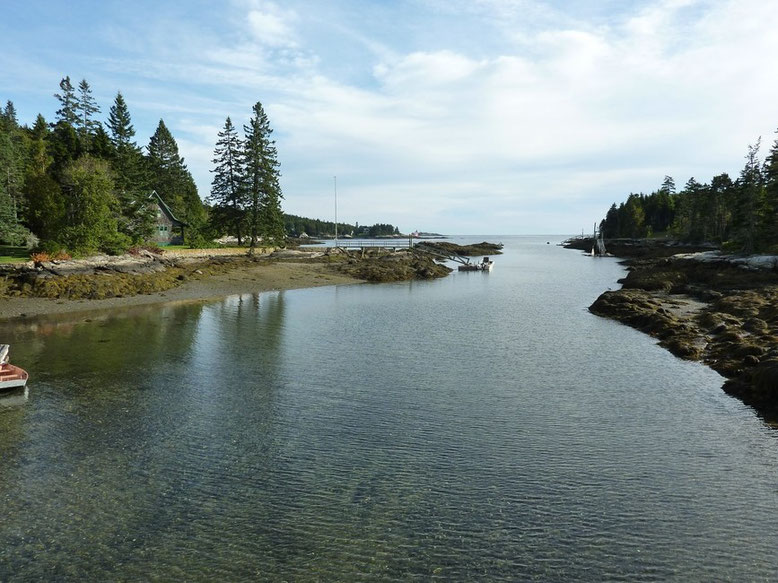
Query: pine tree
x=262, y=179
x=228, y=187
x=67, y=112
x=86, y=108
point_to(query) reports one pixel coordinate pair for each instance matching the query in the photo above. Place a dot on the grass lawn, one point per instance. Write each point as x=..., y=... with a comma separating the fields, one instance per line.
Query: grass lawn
x=9, y=254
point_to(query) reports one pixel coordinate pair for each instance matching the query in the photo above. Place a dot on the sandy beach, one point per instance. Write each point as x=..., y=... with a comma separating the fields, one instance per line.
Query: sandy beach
x=259, y=278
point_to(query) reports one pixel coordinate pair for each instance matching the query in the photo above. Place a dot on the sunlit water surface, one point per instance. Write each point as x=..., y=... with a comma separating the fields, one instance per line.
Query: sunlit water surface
x=479, y=427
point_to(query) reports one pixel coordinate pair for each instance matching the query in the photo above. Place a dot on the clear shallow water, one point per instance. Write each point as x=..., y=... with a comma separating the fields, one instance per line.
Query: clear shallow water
x=479, y=427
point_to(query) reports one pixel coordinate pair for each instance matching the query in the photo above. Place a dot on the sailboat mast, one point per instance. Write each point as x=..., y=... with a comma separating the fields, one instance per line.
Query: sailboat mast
x=335, y=185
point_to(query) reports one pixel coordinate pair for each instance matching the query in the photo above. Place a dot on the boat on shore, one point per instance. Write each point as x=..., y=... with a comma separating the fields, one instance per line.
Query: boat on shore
x=485, y=265
x=11, y=376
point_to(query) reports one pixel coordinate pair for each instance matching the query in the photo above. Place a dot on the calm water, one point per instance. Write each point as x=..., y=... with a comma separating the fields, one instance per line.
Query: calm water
x=480, y=427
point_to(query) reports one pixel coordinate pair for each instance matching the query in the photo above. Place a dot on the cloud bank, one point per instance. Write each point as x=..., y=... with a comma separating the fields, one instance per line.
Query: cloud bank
x=494, y=116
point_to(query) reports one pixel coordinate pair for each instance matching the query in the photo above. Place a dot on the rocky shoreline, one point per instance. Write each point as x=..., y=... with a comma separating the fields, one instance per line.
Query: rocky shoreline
x=718, y=309
x=102, y=282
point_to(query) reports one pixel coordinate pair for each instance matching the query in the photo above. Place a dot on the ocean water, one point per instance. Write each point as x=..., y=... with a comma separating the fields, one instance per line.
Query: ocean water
x=481, y=427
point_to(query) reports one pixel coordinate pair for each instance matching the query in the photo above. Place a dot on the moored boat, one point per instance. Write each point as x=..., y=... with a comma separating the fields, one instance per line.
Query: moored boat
x=11, y=376
x=485, y=265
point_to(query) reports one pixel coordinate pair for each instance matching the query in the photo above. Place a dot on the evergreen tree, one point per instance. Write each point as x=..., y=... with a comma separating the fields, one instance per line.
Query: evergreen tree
x=262, y=179
x=12, y=163
x=44, y=213
x=169, y=176
x=8, y=115
x=668, y=185
x=38, y=157
x=128, y=158
x=228, y=187
x=64, y=146
x=100, y=145
x=633, y=219
x=721, y=193
x=692, y=214
x=750, y=193
x=67, y=113
x=137, y=213
x=86, y=108
x=610, y=225
x=769, y=222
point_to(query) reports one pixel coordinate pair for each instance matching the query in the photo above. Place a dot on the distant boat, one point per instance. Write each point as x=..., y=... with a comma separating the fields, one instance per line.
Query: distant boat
x=485, y=265
x=11, y=377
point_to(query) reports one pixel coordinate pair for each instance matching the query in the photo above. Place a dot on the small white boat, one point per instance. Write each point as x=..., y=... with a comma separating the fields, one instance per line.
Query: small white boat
x=11, y=377
x=485, y=265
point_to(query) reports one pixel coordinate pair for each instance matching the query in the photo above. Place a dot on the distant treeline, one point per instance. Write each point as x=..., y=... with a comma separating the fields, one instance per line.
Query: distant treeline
x=296, y=226
x=740, y=214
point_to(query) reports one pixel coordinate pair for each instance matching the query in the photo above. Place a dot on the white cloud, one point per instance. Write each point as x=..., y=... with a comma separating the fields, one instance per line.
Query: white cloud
x=522, y=110
x=270, y=25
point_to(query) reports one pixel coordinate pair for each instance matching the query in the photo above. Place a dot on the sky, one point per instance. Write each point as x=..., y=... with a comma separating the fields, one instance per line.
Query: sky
x=451, y=116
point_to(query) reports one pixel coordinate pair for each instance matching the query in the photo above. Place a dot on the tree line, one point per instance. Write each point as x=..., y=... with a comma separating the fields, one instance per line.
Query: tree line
x=296, y=226
x=741, y=214
x=83, y=185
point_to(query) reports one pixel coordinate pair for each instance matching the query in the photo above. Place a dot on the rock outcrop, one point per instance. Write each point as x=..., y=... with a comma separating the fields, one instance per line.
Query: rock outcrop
x=717, y=309
x=382, y=266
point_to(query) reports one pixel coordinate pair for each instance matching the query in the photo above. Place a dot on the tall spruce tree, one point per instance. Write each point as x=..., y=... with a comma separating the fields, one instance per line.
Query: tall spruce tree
x=262, y=179
x=86, y=109
x=169, y=176
x=128, y=158
x=228, y=189
x=136, y=211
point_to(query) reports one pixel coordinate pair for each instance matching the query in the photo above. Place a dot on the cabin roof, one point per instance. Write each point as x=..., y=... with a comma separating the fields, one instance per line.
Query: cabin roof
x=166, y=209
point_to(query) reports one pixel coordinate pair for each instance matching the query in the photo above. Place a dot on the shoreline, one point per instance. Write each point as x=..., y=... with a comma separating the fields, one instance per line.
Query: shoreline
x=716, y=309
x=257, y=278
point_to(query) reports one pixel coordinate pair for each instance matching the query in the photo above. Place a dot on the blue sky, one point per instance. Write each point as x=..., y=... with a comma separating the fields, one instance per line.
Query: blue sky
x=462, y=117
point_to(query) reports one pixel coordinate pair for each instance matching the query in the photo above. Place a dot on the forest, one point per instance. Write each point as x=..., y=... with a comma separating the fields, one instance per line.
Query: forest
x=77, y=185
x=296, y=226
x=740, y=215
